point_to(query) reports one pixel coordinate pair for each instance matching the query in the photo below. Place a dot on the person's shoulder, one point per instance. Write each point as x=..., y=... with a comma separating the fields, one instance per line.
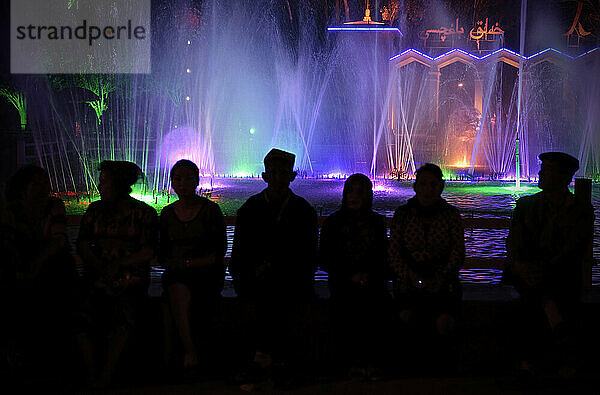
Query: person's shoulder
x=253, y=204
x=56, y=205
x=10, y=211
x=375, y=214
x=453, y=213
x=529, y=202
x=93, y=210
x=212, y=208
x=209, y=203
x=95, y=205
x=56, y=201
x=530, y=199
x=168, y=210
x=452, y=210
x=333, y=218
x=376, y=217
x=253, y=201
x=142, y=206
x=582, y=207
x=402, y=209
x=300, y=202
x=13, y=206
x=335, y=215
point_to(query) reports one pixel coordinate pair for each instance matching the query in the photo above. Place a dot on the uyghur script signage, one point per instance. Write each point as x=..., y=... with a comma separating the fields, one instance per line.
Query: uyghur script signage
x=485, y=37
x=443, y=37
x=481, y=34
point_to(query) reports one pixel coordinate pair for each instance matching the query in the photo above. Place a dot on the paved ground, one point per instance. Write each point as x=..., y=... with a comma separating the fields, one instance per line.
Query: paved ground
x=485, y=371
x=432, y=385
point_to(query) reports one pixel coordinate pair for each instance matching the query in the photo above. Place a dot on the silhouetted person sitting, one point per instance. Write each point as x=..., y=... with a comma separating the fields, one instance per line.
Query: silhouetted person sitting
x=117, y=240
x=353, y=249
x=274, y=256
x=426, y=251
x=193, y=242
x=549, y=238
x=37, y=274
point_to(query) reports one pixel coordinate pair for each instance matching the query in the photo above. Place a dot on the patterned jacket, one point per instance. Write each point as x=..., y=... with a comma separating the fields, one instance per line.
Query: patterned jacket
x=427, y=247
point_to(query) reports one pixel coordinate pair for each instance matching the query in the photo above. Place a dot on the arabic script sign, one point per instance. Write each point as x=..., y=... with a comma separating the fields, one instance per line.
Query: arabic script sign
x=485, y=37
x=443, y=37
x=481, y=33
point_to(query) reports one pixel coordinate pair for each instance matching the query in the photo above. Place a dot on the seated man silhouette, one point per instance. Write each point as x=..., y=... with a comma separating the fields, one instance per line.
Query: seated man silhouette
x=273, y=257
x=548, y=242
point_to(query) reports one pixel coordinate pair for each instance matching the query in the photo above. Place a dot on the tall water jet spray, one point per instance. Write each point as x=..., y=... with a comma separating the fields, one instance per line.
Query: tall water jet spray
x=517, y=166
x=520, y=92
x=260, y=74
x=369, y=44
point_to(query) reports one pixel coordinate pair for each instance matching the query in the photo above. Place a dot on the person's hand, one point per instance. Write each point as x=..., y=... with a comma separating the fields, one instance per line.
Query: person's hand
x=528, y=272
x=176, y=264
x=360, y=278
x=431, y=284
x=416, y=280
x=112, y=269
x=263, y=269
x=437, y=284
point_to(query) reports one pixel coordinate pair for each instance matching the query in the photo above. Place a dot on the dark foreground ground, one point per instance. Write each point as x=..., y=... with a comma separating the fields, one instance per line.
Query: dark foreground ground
x=430, y=385
x=483, y=363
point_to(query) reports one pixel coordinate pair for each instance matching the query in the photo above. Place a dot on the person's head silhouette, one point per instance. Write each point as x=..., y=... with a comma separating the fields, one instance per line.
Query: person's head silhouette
x=556, y=171
x=358, y=192
x=117, y=178
x=429, y=184
x=29, y=183
x=185, y=177
x=279, y=172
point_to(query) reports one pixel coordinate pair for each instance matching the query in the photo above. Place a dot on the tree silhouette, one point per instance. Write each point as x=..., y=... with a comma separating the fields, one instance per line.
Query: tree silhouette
x=17, y=99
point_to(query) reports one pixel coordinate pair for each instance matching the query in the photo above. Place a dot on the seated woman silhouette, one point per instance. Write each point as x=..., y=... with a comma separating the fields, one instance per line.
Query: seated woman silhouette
x=37, y=272
x=353, y=252
x=117, y=240
x=193, y=242
x=426, y=252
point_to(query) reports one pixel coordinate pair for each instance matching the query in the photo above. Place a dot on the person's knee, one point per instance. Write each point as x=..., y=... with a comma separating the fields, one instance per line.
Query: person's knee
x=445, y=324
x=553, y=313
x=179, y=292
x=408, y=319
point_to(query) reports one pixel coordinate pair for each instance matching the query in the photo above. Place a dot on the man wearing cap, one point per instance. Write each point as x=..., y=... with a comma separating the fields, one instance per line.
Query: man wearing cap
x=273, y=256
x=549, y=238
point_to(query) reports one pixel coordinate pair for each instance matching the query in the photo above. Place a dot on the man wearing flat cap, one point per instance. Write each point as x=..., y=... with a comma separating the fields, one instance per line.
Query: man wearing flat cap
x=273, y=256
x=549, y=237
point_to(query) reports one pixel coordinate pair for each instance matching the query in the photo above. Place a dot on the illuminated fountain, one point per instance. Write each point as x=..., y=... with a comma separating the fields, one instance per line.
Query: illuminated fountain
x=486, y=111
x=232, y=80
x=229, y=81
